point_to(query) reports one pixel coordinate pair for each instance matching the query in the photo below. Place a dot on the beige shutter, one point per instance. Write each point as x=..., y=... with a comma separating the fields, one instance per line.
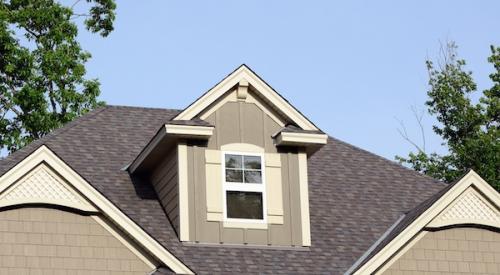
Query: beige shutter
x=274, y=188
x=213, y=185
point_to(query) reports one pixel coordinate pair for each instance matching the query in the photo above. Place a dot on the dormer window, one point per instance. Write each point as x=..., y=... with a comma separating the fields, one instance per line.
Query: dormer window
x=244, y=187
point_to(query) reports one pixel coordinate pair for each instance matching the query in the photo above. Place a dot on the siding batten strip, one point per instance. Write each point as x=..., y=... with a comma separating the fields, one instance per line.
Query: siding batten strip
x=183, y=192
x=304, y=199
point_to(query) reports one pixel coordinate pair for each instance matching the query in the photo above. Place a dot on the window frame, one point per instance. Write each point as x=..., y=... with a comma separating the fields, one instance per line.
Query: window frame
x=244, y=187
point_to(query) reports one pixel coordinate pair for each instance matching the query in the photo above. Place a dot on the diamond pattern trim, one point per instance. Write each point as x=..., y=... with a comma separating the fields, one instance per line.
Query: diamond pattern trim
x=470, y=207
x=42, y=185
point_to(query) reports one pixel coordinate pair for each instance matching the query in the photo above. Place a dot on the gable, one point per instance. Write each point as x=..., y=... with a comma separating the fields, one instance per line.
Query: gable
x=337, y=236
x=43, y=178
x=46, y=240
x=43, y=186
x=471, y=207
x=456, y=250
x=243, y=121
x=246, y=80
x=469, y=202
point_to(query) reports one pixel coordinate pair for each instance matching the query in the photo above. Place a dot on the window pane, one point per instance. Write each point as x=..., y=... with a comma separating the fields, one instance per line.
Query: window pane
x=244, y=205
x=233, y=161
x=252, y=162
x=234, y=175
x=253, y=177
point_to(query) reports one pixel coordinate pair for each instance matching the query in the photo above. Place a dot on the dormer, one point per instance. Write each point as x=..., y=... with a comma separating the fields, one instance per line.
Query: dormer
x=231, y=168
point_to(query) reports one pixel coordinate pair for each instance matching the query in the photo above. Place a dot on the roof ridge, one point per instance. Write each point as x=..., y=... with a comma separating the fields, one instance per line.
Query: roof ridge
x=141, y=107
x=394, y=163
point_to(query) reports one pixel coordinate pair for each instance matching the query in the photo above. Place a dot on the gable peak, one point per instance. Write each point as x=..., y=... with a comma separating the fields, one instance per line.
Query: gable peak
x=245, y=77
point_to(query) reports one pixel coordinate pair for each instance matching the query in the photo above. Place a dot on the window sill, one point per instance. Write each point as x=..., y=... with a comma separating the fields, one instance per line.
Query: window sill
x=252, y=225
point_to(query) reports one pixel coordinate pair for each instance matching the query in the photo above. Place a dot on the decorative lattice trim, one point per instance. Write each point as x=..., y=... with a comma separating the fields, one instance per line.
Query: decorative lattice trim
x=44, y=186
x=470, y=207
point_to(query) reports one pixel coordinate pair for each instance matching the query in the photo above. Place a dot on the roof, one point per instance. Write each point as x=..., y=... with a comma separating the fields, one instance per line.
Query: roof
x=405, y=221
x=355, y=196
x=295, y=129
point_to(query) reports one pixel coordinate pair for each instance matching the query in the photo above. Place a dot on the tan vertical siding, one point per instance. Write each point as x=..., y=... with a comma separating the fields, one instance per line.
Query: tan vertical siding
x=451, y=251
x=165, y=181
x=50, y=241
x=241, y=122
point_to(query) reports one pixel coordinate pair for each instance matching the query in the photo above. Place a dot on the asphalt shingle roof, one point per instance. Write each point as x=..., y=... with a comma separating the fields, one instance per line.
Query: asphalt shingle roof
x=355, y=196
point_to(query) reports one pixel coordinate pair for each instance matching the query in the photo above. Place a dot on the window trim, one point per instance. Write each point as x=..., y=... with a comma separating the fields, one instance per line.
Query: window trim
x=244, y=187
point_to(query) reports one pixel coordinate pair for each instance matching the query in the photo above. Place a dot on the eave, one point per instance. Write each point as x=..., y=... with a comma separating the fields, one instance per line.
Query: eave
x=168, y=135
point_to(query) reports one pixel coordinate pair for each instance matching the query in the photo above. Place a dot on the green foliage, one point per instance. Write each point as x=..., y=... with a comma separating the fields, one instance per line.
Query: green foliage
x=42, y=66
x=469, y=130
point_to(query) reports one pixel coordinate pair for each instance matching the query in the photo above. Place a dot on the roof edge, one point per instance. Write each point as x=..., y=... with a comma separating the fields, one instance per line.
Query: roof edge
x=419, y=217
x=43, y=154
x=243, y=72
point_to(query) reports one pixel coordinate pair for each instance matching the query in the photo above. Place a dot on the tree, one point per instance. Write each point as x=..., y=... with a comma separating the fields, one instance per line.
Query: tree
x=42, y=66
x=469, y=130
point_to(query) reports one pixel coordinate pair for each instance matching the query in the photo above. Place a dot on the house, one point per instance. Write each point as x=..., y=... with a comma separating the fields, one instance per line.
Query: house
x=238, y=182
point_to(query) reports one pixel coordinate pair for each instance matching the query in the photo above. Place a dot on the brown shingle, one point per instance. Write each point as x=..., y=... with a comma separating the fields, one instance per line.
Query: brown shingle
x=354, y=195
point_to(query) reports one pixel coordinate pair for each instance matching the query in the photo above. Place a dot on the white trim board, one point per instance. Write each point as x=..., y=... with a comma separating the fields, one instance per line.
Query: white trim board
x=174, y=131
x=470, y=181
x=289, y=138
x=244, y=75
x=44, y=155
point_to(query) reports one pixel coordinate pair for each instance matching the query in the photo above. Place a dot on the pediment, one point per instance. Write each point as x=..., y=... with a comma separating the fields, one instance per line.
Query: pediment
x=43, y=178
x=245, y=81
x=43, y=186
x=470, y=201
x=471, y=207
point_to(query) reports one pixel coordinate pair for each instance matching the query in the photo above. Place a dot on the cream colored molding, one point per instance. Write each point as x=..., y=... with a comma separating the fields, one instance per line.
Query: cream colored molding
x=242, y=147
x=189, y=130
x=304, y=199
x=249, y=225
x=289, y=138
x=215, y=216
x=183, y=191
x=251, y=98
x=273, y=160
x=470, y=208
x=42, y=185
x=44, y=155
x=272, y=219
x=274, y=187
x=243, y=73
x=115, y=233
x=242, y=91
x=471, y=179
x=274, y=196
x=229, y=97
x=174, y=130
x=400, y=253
x=213, y=185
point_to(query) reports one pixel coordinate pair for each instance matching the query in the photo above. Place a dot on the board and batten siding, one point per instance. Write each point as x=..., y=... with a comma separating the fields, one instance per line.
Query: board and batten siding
x=243, y=122
x=451, y=251
x=165, y=182
x=52, y=241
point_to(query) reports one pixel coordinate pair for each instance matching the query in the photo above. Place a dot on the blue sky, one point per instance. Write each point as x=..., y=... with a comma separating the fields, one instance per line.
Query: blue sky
x=352, y=67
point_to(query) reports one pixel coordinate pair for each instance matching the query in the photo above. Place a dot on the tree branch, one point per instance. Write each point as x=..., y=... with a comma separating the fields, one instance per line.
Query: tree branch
x=77, y=15
x=419, y=118
x=9, y=106
x=404, y=134
x=74, y=4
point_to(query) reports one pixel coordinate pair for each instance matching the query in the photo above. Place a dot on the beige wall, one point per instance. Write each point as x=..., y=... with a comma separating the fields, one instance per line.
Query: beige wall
x=50, y=241
x=164, y=179
x=451, y=251
x=243, y=122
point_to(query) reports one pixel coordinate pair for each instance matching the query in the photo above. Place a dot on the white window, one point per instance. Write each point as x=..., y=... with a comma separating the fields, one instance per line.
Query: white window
x=244, y=187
